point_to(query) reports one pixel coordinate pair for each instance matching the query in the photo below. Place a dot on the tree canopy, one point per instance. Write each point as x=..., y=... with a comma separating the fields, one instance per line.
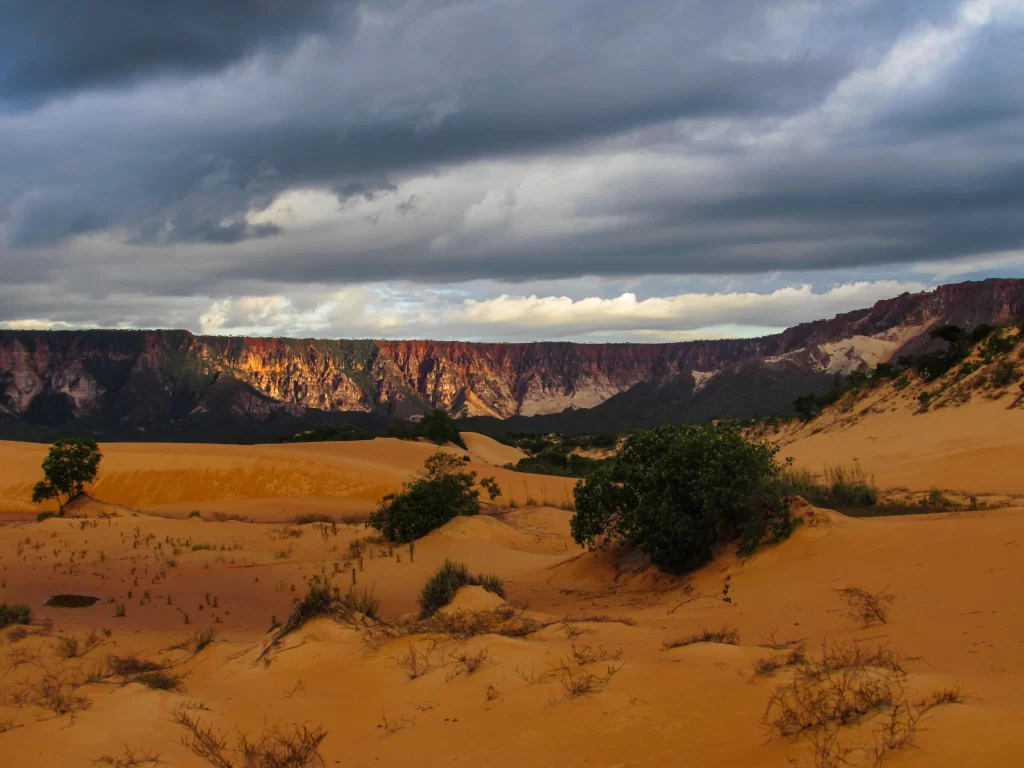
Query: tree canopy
x=68, y=466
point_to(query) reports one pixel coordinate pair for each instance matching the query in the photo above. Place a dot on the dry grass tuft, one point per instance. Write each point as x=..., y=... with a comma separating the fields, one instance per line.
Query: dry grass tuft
x=415, y=662
x=202, y=640
x=840, y=689
x=152, y=674
x=324, y=600
x=867, y=608
x=466, y=663
x=506, y=621
x=71, y=647
x=954, y=695
x=130, y=759
x=577, y=680
x=846, y=686
x=767, y=667
x=725, y=635
x=587, y=654
x=297, y=747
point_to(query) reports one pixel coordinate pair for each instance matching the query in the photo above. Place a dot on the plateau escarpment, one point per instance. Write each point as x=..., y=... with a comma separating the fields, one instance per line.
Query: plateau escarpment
x=153, y=382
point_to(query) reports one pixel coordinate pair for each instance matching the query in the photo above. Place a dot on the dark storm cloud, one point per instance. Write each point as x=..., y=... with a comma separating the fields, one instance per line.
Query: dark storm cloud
x=53, y=47
x=359, y=98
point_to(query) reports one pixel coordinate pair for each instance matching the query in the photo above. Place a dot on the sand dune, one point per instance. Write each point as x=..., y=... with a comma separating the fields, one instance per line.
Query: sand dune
x=975, y=448
x=267, y=482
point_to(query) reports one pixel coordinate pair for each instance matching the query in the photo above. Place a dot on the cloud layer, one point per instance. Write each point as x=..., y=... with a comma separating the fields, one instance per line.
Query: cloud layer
x=158, y=167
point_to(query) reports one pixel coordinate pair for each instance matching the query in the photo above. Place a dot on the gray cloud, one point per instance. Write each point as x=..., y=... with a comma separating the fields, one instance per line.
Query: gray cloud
x=63, y=46
x=167, y=153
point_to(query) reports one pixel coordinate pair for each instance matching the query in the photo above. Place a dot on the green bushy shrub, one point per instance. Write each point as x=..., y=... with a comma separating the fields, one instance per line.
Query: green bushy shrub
x=442, y=493
x=676, y=493
x=438, y=427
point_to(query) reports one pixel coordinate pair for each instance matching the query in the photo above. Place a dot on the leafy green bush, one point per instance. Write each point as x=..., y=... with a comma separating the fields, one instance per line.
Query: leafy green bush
x=45, y=516
x=561, y=465
x=441, y=587
x=442, y=493
x=438, y=427
x=14, y=614
x=676, y=493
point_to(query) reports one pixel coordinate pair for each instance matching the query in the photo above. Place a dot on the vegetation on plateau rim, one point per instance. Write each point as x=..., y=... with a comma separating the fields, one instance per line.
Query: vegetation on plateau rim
x=990, y=343
x=436, y=426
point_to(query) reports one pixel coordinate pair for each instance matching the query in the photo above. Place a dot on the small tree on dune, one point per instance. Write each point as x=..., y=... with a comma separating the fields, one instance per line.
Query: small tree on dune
x=430, y=501
x=68, y=466
x=437, y=426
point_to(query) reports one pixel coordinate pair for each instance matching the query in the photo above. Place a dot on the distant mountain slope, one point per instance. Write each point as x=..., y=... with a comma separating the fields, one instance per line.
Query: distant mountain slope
x=169, y=383
x=962, y=431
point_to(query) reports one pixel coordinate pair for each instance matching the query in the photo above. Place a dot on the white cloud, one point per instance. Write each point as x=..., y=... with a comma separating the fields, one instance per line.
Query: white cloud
x=684, y=312
x=380, y=311
x=36, y=324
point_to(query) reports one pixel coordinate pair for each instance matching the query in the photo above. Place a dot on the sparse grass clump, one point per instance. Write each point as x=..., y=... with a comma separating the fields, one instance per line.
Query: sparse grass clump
x=865, y=607
x=578, y=680
x=128, y=667
x=725, y=635
x=130, y=759
x=767, y=667
x=201, y=640
x=363, y=602
x=14, y=614
x=323, y=599
x=159, y=680
x=462, y=625
x=71, y=647
x=296, y=747
x=588, y=654
x=466, y=663
x=152, y=674
x=56, y=692
x=847, y=684
x=441, y=587
x=839, y=486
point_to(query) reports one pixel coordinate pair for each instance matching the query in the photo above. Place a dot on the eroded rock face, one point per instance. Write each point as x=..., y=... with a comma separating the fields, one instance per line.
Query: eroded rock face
x=149, y=378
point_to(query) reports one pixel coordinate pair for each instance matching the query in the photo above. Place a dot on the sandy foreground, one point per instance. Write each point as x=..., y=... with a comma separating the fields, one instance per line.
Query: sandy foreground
x=570, y=619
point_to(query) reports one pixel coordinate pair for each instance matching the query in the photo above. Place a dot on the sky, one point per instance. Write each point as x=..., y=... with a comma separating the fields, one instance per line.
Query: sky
x=507, y=170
